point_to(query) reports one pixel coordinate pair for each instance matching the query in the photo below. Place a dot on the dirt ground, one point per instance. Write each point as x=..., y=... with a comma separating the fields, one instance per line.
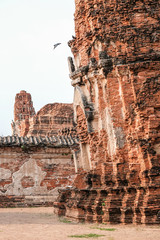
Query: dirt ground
x=42, y=224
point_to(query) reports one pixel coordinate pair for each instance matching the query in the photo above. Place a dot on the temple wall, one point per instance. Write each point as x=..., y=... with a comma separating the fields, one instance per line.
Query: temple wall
x=31, y=175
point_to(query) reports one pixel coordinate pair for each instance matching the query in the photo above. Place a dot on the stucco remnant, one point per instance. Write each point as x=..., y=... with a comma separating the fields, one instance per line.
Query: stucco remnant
x=32, y=169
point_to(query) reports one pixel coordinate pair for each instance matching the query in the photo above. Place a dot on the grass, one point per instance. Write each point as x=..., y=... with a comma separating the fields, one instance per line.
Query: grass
x=64, y=220
x=90, y=235
x=105, y=229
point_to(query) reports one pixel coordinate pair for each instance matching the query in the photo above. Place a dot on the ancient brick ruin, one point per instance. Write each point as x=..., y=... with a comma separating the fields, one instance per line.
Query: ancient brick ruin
x=115, y=73
x=51, y=119
x=39, y=157
x=23, y=110
x=32, y=169
x=48, y=121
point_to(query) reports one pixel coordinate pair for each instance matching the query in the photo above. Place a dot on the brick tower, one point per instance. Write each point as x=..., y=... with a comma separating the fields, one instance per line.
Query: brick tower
x=23, y=110
x=115, y=73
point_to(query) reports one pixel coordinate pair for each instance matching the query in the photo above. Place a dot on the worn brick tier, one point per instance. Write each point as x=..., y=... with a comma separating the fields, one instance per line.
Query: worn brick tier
x=50, y=119
x=115, y=73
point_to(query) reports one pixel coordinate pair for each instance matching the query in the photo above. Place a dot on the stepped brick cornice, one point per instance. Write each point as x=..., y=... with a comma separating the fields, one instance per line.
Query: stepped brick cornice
x=54, y=141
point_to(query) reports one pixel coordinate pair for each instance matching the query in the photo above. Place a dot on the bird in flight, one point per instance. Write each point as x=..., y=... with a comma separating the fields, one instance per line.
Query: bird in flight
x=56, y=45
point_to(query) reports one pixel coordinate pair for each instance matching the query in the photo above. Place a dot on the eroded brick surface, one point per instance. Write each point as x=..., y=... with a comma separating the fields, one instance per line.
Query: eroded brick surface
x=50, y=119
x=115, y=73
x=32, y=176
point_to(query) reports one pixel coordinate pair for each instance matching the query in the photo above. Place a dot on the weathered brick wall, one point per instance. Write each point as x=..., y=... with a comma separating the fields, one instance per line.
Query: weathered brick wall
x=115, y=73
x=31, y=172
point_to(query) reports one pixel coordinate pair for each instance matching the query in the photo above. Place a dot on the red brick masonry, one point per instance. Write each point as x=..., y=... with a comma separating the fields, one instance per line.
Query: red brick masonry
x=115, y=73
x=33, y=169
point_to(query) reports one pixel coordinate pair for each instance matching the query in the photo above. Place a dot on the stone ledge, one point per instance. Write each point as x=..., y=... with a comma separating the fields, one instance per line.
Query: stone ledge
x=54, y=141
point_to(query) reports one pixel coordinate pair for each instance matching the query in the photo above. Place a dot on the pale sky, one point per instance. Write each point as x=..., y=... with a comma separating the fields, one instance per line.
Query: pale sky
x=28, y=30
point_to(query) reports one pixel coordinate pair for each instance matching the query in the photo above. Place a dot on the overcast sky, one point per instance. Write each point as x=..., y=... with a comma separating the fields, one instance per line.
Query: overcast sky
x=28, y=30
